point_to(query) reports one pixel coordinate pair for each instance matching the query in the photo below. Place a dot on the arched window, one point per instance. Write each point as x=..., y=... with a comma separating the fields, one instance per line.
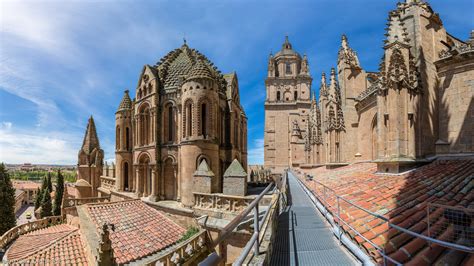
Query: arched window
x=170, y=123
x=117, y=138
x=296, y=95
x=278, y=95
x=127, y=138
x=288, y=68
x=203, y=121
x=189, y=120
x=125, y=176
x=145, y=125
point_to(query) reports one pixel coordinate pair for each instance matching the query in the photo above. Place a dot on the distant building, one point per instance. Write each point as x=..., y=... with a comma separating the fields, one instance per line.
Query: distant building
x=29, y=187
x=419, y=104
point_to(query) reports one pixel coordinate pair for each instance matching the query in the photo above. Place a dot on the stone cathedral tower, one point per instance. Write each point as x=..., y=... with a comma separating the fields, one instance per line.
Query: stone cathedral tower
x=287, y=105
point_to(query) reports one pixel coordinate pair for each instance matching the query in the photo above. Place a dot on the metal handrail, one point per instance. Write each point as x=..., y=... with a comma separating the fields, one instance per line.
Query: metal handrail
x=236, y=221
x=404, y=230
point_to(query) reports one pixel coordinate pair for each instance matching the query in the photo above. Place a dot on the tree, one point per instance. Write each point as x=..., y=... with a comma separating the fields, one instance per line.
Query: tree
x=39, y=197
x=59, y=193
x=50, y=184
x=46, y=204
x=7, y=201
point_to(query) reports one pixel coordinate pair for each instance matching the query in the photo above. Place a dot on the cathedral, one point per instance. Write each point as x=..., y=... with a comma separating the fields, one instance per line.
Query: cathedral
x=184, y=112
x=407, y=113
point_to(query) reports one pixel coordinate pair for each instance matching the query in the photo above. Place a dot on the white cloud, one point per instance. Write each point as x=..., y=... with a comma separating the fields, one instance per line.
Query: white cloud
x=255, y=153
x=19, y=147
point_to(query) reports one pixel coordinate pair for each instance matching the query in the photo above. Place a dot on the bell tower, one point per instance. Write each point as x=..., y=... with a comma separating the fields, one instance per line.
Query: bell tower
x=287, y=106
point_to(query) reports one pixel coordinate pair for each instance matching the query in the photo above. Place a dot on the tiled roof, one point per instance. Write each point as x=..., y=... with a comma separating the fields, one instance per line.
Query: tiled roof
x=140, y=230
x=403, y=200
x=26, y=185
x=126, y=102
x=178, y=64
x=55, y=245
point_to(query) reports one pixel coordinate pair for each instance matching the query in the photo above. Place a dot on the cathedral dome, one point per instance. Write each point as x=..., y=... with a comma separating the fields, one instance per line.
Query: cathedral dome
x=185, y=63
x=287, y=49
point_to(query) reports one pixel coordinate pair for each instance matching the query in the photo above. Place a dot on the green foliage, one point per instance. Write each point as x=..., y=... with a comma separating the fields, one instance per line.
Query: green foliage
x=50, y=183
x=59, y=193
x=37, y=175
x=7, y=201
x=189, y=233
x=46, y=204
x=39, y=197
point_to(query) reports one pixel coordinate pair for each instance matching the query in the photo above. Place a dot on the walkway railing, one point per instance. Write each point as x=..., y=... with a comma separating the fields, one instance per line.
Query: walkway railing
x=332, y=204
x=254, y=242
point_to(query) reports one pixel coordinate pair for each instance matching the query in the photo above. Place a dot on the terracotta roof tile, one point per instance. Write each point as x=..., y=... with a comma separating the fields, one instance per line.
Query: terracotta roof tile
x=55, y=245
x=140, y=230
x=403, y=200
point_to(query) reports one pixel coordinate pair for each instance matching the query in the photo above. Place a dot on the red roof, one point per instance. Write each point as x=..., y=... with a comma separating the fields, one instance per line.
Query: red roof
x=140, y=230
x=403, y=200
x=26, y=185
x=55, y=245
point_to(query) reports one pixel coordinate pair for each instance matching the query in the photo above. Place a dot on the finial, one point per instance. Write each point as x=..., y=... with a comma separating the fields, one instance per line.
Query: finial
x=126, y=91
x=184, y=40
x=344, y=41
x=323, y=77
x=286, y=39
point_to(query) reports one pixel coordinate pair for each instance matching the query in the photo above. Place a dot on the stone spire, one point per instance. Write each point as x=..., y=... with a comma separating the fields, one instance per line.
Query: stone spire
x=126, y=103
x=323, y=90
x=105, y=251
x=332, y=90
x=91, y=140
x=305, y=65
x=286, y=45
x=396, y=31
x=347, y=55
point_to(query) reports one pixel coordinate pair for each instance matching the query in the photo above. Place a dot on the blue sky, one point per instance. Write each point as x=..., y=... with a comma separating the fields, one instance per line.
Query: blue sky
x=61, y=62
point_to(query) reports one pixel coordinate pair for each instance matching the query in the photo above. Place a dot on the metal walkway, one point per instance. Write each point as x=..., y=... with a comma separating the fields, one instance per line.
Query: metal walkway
x=303, y=237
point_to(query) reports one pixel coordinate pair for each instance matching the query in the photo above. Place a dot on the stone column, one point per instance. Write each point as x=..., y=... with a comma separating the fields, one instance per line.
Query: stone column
x=137, y=181
x=153, y=196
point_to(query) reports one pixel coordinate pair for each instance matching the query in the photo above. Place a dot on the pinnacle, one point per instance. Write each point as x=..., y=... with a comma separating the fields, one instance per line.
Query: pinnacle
x=91, y=140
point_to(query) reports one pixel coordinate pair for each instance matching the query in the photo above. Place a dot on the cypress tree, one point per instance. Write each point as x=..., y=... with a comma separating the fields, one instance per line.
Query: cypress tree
x=46, y=204
x=39, y=197
x=59, y=193
x=7, y=201
x=50, y=184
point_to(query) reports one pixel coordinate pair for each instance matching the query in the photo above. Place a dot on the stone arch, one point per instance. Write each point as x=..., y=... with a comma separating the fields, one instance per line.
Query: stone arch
x=126, y=176
x=203, y=157
x=169, y=178
x=144, y=112
x=117, y=138
x=144, y=174
x=205, y=109
x=187, y=118
x=170, y=118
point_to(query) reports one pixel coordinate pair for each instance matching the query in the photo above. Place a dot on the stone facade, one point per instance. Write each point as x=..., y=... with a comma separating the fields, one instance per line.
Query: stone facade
x=184, y=112
x=419, y=104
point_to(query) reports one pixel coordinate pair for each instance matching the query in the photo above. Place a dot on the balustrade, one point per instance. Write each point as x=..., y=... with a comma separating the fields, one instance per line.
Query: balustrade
x=22, y=229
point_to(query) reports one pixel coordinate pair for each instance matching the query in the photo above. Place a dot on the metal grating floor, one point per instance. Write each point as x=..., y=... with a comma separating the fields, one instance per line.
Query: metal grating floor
x=303, y=237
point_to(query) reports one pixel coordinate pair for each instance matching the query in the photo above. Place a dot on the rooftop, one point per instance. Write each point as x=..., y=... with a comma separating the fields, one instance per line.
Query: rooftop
x=402, y=199
x=59, y=244
x=140, y=230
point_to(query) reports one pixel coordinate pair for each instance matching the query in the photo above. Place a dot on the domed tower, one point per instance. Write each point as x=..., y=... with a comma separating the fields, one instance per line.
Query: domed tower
x=287, y=105
x=123, y=144
x=199, y=100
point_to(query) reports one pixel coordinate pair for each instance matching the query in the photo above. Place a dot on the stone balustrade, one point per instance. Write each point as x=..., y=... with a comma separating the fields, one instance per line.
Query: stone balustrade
x=73, y=202
x=19, y=230
x=221, y=202
x=186, y=252
x=107, y=182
